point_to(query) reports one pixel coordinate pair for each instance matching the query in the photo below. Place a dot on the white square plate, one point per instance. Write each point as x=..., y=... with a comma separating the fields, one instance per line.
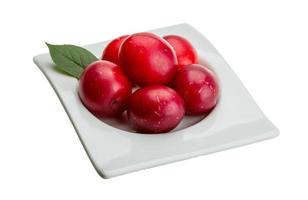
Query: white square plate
x=113, y=150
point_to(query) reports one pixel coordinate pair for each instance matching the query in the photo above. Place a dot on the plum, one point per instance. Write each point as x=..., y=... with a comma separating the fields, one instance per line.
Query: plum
x=104, y=89
x=155, y=109
x=147, y=59
x=111, y=52
x=184, y=50
x=198, y=87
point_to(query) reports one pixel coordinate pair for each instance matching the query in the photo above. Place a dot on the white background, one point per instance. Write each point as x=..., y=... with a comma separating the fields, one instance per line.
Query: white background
x=265, y=42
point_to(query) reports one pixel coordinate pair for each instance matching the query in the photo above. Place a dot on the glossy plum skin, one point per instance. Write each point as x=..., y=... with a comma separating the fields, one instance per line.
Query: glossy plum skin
x=147, y=59
x=104, y=89
x=155, y=109
x=184, y=50
x=111, y=52
x=198, y=87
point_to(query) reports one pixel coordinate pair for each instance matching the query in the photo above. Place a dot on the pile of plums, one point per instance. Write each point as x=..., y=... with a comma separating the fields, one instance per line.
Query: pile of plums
x=164, y=74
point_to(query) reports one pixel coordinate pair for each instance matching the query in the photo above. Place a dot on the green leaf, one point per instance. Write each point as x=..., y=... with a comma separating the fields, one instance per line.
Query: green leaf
x=73, y=71
x=70, y=58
